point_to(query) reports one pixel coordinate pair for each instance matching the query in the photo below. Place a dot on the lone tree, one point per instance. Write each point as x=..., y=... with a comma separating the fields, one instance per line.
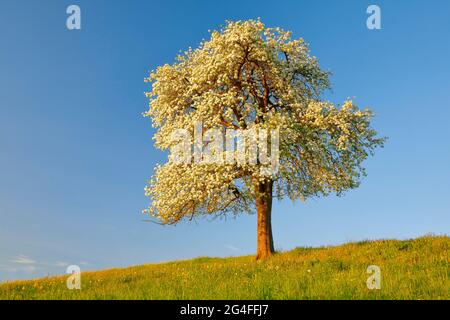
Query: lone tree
x=249, y=77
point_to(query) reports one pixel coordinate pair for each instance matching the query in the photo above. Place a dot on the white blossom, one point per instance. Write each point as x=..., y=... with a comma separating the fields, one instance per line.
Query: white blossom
x=247, y=77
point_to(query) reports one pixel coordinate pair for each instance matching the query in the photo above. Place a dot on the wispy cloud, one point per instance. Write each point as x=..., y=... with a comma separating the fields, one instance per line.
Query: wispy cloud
x=29, y=268
x=20, y=263
x=61, y=264
x=230, y=247
x=22, y=259
x=25, y=264
x=8, y=268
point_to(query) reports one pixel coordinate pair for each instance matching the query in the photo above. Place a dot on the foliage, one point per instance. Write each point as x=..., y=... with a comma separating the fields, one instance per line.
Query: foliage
x=249, y=77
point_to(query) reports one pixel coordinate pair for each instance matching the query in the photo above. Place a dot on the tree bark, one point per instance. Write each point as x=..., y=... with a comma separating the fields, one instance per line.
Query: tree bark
x=265, y=246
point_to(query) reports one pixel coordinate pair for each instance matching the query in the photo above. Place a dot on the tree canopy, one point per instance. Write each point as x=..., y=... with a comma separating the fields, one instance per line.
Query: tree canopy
x=250, y=77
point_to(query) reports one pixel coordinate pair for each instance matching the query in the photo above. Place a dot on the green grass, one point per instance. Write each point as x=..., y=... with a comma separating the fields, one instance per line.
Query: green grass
x=412, y=269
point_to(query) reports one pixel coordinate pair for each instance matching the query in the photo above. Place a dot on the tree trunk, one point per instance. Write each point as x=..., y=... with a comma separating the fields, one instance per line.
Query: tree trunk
x=264, y=214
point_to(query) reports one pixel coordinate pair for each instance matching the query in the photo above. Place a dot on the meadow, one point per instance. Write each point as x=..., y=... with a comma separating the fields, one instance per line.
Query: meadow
x=410, y=269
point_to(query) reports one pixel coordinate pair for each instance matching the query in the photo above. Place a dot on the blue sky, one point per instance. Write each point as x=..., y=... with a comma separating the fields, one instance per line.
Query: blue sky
x=75, y=152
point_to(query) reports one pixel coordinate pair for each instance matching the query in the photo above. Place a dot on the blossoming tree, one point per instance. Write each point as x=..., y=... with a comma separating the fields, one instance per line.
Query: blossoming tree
x=249, y=77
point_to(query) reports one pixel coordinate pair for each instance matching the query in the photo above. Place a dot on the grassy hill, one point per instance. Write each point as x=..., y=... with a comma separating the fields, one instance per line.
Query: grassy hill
x=412, y=269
